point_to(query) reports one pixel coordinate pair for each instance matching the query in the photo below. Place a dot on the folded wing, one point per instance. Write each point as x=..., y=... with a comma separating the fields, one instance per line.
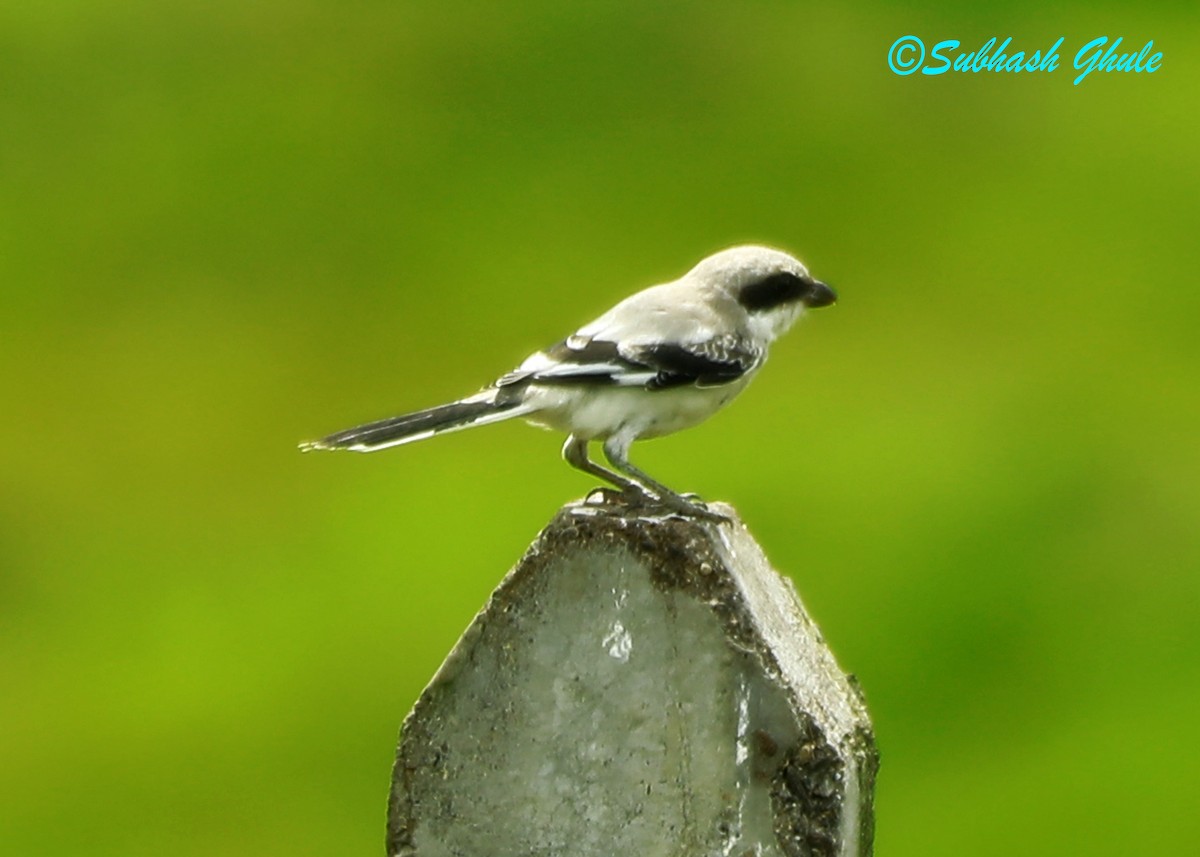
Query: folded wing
x=581, y=359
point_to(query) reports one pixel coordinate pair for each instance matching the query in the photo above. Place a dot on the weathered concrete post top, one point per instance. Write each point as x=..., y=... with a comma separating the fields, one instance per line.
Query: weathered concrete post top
x=637, y=685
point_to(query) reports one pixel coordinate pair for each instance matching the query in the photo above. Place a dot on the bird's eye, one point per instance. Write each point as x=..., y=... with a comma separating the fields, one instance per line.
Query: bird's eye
x=773, y=291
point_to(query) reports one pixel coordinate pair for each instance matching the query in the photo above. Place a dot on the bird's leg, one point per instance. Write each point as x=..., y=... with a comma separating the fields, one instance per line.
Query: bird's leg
x=616, y=450
x=575, y=453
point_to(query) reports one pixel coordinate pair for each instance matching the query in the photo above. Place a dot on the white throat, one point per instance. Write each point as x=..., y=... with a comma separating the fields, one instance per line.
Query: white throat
x=769, y=326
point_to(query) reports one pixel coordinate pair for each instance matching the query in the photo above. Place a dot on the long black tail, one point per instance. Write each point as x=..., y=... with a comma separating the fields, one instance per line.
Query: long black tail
x=476, y=410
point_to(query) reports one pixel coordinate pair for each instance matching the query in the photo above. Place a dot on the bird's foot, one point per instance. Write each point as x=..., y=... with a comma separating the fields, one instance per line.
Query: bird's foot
x=691, y=506
x=631, y=499
x=687, y=505
x=600, y=496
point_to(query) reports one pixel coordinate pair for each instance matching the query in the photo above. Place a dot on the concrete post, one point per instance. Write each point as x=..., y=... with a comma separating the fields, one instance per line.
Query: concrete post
x=637, y=685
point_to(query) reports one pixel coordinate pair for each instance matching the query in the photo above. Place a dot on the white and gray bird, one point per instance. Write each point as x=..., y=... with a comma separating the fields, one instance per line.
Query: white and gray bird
x=659, y=361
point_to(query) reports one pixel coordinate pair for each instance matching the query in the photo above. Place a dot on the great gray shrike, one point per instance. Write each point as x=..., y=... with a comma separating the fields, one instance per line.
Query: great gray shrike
x=661, y=360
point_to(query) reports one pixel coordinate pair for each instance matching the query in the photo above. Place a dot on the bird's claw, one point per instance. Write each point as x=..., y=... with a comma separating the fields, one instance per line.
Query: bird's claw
x=691, y=506
x=687, y=505
x=600, y=496
x=604, y=496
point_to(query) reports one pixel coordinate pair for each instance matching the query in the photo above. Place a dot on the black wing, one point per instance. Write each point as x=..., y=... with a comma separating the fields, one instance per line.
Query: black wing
x=656, y=367
x=703, y=364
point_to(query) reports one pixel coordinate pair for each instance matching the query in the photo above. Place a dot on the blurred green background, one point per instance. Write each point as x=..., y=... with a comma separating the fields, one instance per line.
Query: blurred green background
x=226, y=227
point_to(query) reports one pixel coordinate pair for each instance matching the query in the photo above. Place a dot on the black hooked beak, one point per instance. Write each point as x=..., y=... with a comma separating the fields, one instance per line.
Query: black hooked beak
x=819, y=295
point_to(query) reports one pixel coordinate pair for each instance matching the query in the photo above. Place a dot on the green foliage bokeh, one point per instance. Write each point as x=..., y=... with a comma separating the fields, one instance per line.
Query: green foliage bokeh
x=228, y=227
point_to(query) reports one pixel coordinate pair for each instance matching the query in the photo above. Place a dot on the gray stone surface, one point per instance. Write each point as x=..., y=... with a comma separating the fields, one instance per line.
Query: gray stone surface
x=637, y=686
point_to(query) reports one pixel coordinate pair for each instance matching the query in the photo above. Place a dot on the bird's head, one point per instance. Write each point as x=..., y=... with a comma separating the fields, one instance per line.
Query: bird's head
x=772, y=287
